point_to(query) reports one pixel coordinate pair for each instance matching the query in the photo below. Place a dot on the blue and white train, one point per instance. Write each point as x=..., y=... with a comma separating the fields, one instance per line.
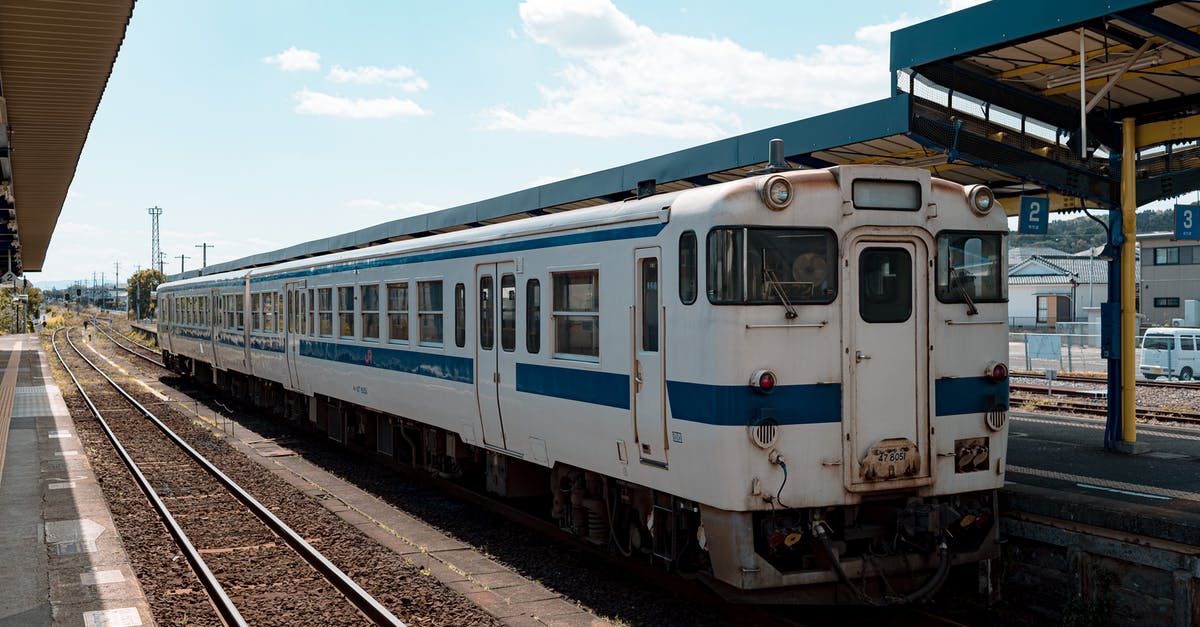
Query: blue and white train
x=792, y=384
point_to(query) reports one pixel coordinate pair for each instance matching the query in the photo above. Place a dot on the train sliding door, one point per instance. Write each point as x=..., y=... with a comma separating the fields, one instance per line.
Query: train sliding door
x=295, y=318
x=213, y=314
x=495, y=345
x=887, y=397
x=649, y=415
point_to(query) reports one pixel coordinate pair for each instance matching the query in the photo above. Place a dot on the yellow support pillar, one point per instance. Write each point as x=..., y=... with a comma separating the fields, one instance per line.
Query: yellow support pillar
x=1128, y=288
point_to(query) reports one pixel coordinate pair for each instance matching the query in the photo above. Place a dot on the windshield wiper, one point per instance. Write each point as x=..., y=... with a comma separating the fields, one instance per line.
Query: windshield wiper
x=956, y=281
x=773, y=283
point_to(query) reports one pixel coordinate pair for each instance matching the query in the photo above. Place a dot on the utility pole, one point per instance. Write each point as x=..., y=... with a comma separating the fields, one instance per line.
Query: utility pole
x=181, y=258
x=117, y=284
x=162, y=261
x=204, y=254
x=155, y=249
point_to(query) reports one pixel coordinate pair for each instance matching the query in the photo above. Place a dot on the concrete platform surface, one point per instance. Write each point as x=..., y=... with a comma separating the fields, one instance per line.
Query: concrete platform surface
x=1057, y=467
x=61, y=560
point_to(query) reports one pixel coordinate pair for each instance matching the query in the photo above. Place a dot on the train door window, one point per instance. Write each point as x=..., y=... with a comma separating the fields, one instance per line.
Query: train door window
x=429, y=312
x=325, y=312
x=291, y=311
x=487, y=308
x=648, y=271
x=312, y=312
x=240, y=312
x=576, y=315
x=269, y=312
x=302, y=316
x=533, y=316
x=885, y=285
x=370, y=312
x=971, y=267
x=279, y=313
x=397, y=303
x=688, y=268
x=508, y=313
x=345, y=312
x=460, y=315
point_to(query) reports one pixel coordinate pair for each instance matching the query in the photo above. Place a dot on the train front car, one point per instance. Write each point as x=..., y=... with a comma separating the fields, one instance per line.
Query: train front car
x=856, y=327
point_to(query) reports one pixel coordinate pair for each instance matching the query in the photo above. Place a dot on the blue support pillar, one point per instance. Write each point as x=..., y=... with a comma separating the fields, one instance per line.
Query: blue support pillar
x=1110, y=323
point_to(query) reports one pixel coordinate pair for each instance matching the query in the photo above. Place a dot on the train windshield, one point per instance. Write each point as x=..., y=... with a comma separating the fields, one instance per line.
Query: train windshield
x=759, y=266
x=972, y=267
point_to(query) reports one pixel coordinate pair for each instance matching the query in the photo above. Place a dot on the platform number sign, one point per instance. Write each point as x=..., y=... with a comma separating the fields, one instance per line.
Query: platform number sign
x=1187, y=221
x=1035, y=215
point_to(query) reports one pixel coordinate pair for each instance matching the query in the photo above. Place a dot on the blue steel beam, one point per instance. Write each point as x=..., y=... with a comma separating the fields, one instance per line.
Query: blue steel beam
x=995, y=24
x=874, y=120
x=1148, y=21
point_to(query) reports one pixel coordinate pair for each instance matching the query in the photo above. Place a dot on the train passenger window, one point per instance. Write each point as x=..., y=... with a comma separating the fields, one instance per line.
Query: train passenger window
x=765, y=266
x=268, y=301
x=460, y=315
x=649, y=275
x=256, y=312
x=508, y=313
x=325, y=312
x=576, y=315
x=533, y=316
x=279, y=312
x=429, y=312
x=345, y=312
x=397, y=302
x=885, y=284
x=688, y=267
x=239, y=321
x=302, y=311
x=370, y=312
x=487, y=307
x=971, y=267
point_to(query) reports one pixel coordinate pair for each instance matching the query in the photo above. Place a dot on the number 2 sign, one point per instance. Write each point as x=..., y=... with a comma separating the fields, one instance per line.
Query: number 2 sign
x=1187, y=221
x=1035, y=215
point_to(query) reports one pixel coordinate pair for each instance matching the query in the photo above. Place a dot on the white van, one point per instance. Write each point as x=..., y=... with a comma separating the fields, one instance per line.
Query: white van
x=1171, y=352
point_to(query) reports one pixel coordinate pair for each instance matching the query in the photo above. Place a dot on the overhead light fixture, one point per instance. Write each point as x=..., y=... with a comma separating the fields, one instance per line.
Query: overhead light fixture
x=1106, y=69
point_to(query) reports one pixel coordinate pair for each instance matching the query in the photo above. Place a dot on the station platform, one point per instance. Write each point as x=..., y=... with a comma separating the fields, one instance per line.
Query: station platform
x=1057, y=467
x=62, y=560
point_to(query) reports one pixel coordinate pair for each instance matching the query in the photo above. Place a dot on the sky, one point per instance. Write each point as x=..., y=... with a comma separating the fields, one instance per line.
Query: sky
x=258, y=124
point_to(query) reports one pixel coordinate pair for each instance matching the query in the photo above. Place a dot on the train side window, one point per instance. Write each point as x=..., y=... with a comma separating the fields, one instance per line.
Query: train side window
x=370, y=312
x=279, y=312
x=487, y=308
x=576, y=315
x=302, y=311
x=256, y=312
x=533, y=316
x=971, y=266
x=345, y=312
x=508, y=313
x=460, y=315
x=268, y=304
x=397, y=303
x=429, y=312
x=325, y=311
x=240, y=312
x=312, y=312
x=688, y=268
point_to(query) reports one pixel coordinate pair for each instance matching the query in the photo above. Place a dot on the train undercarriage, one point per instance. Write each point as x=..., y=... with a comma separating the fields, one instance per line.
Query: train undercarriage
x=893, y=549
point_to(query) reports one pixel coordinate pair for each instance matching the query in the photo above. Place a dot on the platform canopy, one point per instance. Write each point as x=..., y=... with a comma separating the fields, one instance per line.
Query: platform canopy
x=55, y=59
x=988, y=95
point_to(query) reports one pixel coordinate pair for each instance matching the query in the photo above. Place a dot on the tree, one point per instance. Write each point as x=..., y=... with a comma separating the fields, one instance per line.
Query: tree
x=18, y=308
x=138, y=290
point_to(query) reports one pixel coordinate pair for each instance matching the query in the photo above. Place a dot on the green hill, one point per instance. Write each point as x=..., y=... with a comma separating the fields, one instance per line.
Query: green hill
x=1081, y=233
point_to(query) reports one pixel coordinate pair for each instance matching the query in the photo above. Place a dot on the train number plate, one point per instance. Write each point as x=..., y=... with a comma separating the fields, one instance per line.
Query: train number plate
x=893, y=458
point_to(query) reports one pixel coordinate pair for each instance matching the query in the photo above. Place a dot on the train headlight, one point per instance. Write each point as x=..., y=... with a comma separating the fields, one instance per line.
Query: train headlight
x=996, y=371
x=763, y=381
x=776, y=193
x=981, y=199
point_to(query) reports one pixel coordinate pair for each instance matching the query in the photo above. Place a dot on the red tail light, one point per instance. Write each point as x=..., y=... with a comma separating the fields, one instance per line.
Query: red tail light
x=763, y=381
x=997, y=371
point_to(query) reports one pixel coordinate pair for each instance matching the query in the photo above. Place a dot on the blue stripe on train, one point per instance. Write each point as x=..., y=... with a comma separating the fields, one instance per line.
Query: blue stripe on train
x=969, y=395
x=448, y=367
x=733, y=405
x=585, y=386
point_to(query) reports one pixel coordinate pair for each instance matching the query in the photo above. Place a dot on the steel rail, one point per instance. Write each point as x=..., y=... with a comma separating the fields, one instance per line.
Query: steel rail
x=130, y=350
x=1078, y=378
x=368, y=605
x=221, y=602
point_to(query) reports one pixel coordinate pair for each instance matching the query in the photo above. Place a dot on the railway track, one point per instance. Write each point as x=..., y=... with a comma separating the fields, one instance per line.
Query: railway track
x=140, y=350
x=1101, y=380
x=255, y=569
x=1085, y=402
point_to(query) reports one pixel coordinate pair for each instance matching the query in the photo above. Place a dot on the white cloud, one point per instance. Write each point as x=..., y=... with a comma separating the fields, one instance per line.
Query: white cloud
x=295, y=60
x=401, y=76
x=623, y=78
x=317, y=103
x=958, y=5
x=396, y=210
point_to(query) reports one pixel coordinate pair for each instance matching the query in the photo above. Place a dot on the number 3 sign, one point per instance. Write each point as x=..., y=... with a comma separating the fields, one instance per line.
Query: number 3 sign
x=1035, y=215
x=1187, y=221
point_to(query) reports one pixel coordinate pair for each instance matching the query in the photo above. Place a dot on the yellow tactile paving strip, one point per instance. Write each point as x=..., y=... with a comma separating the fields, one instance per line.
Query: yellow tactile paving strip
x=8, y=392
